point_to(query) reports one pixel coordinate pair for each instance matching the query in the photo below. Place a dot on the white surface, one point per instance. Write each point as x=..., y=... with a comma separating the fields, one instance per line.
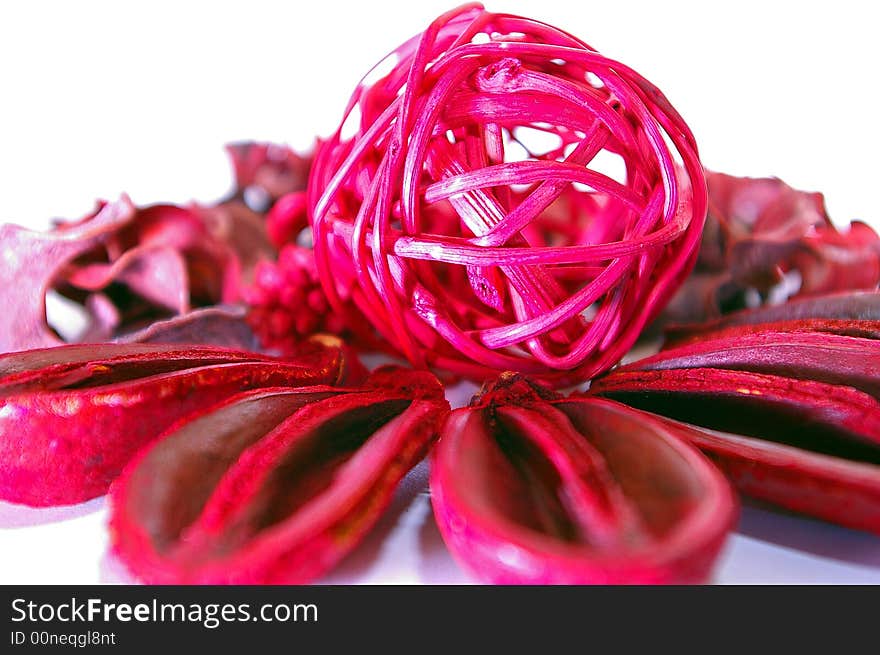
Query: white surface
x=101, y=97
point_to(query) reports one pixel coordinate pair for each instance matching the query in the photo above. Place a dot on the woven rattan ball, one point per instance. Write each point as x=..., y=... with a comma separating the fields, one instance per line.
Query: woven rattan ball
x=500, y=196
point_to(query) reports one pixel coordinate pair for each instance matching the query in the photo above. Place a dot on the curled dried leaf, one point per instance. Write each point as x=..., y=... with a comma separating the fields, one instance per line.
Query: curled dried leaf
x=264, y=172
x=764, y=239
x=830, y=260
x=30, y=262
x=224, y=326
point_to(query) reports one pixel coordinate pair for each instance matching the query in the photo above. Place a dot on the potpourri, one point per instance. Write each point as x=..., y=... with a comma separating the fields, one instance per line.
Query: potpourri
x=220, y=389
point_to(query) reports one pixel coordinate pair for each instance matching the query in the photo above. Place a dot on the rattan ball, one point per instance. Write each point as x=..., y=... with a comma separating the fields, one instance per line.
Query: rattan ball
x=500, y=196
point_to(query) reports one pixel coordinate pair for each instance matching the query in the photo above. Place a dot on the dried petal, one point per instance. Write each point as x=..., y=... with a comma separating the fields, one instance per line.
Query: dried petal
x=574, y=492
x=156, y=273
x=103, y=319
x=765, y=239
x=136, y=254
x=272, y=486
x=266, y=171
x=71, y=417
x=30, y=261
x=763, y=221
x=702, y=297
x=764, y=206
x=242, y=232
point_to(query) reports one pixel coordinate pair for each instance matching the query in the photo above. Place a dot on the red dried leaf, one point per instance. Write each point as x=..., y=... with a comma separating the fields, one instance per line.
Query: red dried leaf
x=224, y=326
x=127, y=266
x=266, y=169
x=158, y=274
x=762, y=208
x=207, y=268
x=828, y=260
x=753, y=225
x=757, y=230
x=71, y=417
x=242, y=232
x=272, y=486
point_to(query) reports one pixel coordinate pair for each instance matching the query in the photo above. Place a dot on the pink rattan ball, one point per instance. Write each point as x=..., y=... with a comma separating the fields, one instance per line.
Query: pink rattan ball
x=500, y=196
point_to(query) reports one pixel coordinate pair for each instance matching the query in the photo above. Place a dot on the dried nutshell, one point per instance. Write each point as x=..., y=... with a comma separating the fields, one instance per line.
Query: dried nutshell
x=272, y=486
x=72, y=416
x=793, y=419
x=832, y=488
x=854, y=313
x=531, y=488
x=819, y=356
x=842, y=327
x=831, y=419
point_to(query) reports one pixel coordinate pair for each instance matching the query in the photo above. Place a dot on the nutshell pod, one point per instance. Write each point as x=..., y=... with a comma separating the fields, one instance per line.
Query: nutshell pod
x=531, y=490
x=792, y=418
x=71, y=417
x=272, y=486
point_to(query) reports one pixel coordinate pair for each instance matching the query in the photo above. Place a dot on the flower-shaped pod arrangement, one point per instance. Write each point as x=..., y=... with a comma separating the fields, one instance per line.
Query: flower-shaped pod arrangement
x=530, y=486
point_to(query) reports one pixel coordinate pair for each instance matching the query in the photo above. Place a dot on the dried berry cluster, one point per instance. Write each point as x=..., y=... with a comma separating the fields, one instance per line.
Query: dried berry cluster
x=287, y=302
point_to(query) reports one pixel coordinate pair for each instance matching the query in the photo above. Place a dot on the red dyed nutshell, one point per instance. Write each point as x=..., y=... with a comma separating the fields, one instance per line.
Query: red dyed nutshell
x=275, y=485
x=531, y=490
x=792, y=417
x=836, y=489
x=855, y=314
x=71, y=417
x=465, y=213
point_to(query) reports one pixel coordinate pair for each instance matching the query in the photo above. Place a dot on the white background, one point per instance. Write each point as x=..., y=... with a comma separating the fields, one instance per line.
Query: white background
x=97, y=98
